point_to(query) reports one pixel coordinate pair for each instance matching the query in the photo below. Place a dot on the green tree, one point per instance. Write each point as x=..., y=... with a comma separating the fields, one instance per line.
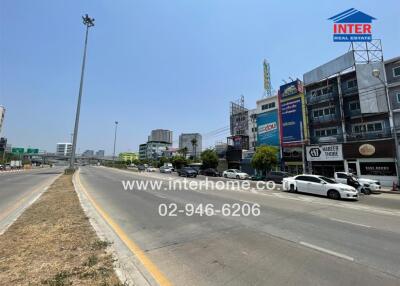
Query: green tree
x=162, y=161
x=183, y=151
x=178, y=162
x=265, y=158
x=209, y=158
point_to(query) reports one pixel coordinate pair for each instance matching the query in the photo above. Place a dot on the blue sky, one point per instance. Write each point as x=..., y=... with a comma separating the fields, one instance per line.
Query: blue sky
x=157, y=64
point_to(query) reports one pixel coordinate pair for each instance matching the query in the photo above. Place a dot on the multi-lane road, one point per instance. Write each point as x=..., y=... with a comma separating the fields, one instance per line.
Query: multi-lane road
x=295, y=240
x=19, y=189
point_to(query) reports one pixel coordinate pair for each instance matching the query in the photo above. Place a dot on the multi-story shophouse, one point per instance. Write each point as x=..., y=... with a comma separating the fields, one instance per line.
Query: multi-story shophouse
x=349, y=124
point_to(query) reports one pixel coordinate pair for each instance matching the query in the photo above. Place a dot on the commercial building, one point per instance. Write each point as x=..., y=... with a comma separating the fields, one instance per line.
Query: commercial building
x=392, y=68
x=88, y=153
x=268, y=121
x=128, y=156
x=186, y=141
x=2, y=114
x=349, y=124
x=64, y=149
x=294, y=127
x=153, y=150
x=100, y=154
x=161, y=135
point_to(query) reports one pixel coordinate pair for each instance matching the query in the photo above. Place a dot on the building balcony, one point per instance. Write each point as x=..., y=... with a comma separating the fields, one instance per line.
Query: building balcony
x=351, y=113
x=385, y=133
x=324, y=119
x=331, y=96
x=349, y=90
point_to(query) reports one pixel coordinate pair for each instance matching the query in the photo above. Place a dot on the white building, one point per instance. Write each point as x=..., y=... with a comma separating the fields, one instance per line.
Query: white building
x=64, y=149
x=161, y=135
x=185, y=140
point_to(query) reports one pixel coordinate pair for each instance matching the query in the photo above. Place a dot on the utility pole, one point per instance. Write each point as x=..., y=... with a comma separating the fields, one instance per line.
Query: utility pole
x=115, y=139
x=88, y=22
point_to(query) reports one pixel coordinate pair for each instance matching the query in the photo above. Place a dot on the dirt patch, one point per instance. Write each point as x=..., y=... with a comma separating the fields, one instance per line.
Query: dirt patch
x=53, y=243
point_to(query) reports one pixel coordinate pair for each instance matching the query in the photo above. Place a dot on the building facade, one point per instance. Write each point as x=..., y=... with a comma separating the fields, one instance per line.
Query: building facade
x=128, y=156
x=88, y=153
x=349, y=126
x=153, y=150
x=100, y=153
x=64, y=149
x=294, y=127
x=185, y=140
x=392, y=69
x=161, y=135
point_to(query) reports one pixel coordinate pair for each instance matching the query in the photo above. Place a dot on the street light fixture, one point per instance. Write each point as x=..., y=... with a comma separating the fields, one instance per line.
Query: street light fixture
x=115, y=138
x=88, y=22
x=376, y=73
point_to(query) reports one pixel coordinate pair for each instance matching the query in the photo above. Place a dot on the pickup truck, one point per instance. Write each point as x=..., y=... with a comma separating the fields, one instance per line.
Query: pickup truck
x=367, y=184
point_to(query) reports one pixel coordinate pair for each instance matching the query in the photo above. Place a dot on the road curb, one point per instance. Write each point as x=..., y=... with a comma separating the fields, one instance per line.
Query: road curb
x=127, y=266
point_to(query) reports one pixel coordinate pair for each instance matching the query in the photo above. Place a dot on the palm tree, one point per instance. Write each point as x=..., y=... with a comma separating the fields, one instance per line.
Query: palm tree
x=183, y=151
x=194, y=145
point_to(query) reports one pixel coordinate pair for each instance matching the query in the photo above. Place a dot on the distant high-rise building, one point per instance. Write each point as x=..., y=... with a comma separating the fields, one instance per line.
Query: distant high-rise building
x=185, y=140
x=100, y=153
x=64, y=149
x=88, y=153
x=2, y=112
x=161, y=135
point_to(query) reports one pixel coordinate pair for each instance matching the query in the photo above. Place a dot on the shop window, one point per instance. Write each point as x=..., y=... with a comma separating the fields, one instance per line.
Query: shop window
x=398, y=97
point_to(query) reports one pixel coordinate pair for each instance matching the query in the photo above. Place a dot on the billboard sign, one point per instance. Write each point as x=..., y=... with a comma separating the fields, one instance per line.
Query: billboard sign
x=332, y=152
x=291, y=88
x=267, y=128
x=292, y=118
x=352, y=26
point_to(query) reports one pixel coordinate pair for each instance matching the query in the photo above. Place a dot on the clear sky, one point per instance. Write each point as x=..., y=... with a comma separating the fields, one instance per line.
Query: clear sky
x=158, y=64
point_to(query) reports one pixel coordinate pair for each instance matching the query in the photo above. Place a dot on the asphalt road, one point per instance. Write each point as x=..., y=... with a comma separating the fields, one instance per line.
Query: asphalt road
x=18, y=189
x=296, y=239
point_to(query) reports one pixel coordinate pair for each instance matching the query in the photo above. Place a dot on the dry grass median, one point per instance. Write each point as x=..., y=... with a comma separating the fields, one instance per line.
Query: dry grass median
x=53, y=243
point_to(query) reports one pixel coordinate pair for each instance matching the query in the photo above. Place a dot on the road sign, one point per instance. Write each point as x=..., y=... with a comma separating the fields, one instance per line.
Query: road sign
x=32, y=151
x=17, y=150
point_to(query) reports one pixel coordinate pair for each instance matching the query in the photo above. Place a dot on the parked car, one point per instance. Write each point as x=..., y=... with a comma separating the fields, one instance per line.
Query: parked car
x=319, y=185
x=151, y=169
x=277, y=176
x=210, y=172
x=257, y=177
x=235, y=174
x=166, y=169
x=187, y=172
x=141, y=168
x=368, y=184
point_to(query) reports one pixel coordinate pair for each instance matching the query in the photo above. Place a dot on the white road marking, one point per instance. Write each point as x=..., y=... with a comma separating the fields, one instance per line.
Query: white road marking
x=349, y=222
x=160, y=196
x=247, y=202
x=331, y=252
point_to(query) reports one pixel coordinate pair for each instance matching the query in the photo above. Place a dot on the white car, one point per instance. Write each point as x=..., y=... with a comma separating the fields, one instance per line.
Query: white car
x=372, y=185
x=319, y=185
x=235, y=174
x=166, y=169
x=151, y=169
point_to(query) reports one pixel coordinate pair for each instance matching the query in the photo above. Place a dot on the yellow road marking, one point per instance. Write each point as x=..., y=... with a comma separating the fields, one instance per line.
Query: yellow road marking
x=161, y=279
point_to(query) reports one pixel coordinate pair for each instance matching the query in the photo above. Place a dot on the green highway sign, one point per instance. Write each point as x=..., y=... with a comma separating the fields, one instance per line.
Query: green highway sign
x=17, y=150
x=32, y=151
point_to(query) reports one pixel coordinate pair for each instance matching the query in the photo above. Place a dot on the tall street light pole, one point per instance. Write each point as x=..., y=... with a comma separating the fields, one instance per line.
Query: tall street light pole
x=88, y=22
x=115, y=138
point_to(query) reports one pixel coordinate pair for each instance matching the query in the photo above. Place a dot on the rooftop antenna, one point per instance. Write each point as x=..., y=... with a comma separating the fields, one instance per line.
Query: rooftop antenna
x=291, y=78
